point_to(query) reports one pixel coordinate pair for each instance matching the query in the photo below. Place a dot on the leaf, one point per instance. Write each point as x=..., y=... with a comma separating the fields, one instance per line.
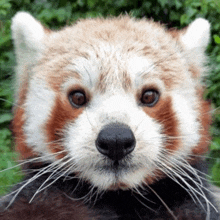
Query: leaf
x=5, y=118
x=178, y=4
x=163, y=3
x=4, y=134
x=91, y=3
x=215, y=145
x=4, y=6
x=217, y=39
x=191, y=12
x=174, y=16
x=216, y=173
x=184, y=19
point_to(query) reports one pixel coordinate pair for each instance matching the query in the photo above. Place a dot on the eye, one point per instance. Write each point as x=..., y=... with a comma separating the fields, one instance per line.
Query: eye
x=150, y=97
x=77, y=98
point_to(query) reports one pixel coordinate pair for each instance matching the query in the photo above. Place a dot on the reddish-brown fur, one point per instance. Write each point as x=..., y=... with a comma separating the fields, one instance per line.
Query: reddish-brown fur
x=164, y=114
x=62, y=114
x=205, y=119
x=17, y=126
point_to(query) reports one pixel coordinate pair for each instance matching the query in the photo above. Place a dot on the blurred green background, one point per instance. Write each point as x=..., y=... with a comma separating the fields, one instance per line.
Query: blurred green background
x=57, y=13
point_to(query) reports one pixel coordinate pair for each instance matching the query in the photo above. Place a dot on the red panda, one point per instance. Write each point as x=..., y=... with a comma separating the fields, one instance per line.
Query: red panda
x=110, y=121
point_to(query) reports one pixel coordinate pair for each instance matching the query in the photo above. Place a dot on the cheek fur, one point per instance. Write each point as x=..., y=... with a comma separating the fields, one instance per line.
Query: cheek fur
x=205, y=121
x=163, y=113
x=18, y=123
x=61, y=114
x=156, y=175
x=18, y=132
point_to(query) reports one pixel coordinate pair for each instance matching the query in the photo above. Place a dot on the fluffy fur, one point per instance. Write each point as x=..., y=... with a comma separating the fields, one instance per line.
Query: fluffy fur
x=112, y=62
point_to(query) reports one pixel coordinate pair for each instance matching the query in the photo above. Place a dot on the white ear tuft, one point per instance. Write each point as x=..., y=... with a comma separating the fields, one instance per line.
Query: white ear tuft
x=197, y=35
x=28, y=35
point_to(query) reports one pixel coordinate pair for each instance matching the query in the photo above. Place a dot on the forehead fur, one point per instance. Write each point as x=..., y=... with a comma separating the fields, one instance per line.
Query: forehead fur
x=107, y=51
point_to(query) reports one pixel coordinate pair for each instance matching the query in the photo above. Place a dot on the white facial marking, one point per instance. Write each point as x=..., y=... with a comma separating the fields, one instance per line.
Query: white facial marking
x=88, y=69
x=69, y=83
x=38, y=106
x=184, y=106
x=137, y=66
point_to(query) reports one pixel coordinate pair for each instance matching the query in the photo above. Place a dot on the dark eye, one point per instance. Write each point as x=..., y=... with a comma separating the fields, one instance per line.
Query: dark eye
x=77, y=98
x=150, y=97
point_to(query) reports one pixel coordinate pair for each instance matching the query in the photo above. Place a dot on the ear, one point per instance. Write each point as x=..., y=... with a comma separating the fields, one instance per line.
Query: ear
x=197, y=35
x=28, y=35
x=195, y=38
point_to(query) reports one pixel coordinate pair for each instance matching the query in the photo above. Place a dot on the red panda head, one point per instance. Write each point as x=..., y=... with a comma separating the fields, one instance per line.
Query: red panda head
x=116, y=101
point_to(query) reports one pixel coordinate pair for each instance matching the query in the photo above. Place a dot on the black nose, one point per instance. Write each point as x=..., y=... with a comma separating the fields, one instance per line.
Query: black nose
x=115, y=141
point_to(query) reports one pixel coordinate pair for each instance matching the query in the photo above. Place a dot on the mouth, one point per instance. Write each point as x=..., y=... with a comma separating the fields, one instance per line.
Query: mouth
x=117, y=167
x=117, y=170
x=107, y=174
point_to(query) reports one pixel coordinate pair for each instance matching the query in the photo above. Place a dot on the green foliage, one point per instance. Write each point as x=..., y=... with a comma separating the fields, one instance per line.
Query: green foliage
x=216, y=38
x=55, y=14
x=4, y=6
x=7, y=158
x=7, y=154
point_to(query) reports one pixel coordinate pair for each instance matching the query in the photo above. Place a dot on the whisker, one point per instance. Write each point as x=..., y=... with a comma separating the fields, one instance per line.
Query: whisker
x=42, y=172
x=93, y=127
x=12, y=103
x=41, y=188
x=192, y=189
x=83, y=198
x=135, y=190
x=26, y=161
x=194, y=172
x=169, y=169
x=170, y=175
x=168, y=209
x=143, y=204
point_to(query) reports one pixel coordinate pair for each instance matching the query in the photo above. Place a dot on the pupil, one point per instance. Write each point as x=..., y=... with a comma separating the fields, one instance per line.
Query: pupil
x=79, y=98
x=149, y=97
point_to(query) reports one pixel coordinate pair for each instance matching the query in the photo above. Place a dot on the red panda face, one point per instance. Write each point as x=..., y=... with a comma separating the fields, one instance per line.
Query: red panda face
x=117, y=101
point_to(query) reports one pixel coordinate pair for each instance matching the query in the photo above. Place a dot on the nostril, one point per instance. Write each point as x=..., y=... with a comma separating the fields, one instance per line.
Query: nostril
x=102, y=146
x=129, y=145
x=115, y=141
